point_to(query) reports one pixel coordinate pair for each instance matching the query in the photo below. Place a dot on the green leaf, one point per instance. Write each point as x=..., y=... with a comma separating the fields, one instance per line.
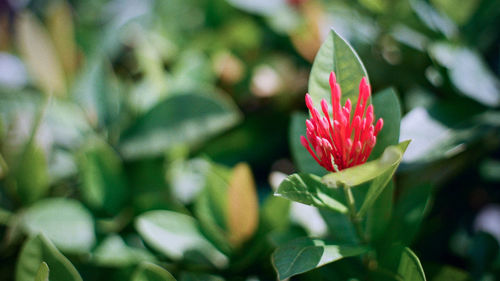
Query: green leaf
x=336, y=55
x=113, y=252
x=43, y=272
x=380, y=182
x=409, y=267
x=408, y=213
x=386, y=105
x=308, y=189
x=176, y=235
x=379, y=215
x=274, y=212
x=192, y=276
x=39, y=249
x=103, y=180
x=304, y=161
x=32, y=174
x=305, y=254
x=64, y=221
x=151, y=272
x=340, y=227
x=377, y=169
x=180, y=119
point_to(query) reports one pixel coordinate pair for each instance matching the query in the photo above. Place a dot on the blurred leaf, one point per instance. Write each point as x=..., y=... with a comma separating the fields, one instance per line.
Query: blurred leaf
x=379, y=215
x=43, y=272
x=380, y=170
x=304, y=161
x=175, y=235
x=103, y=180
x=38, y=249
x=60, y=25
x=468, y=72
x=408, y=213
x=182, y=118
x=445, y=273
x=191, y=276
x=187, y=178
x=336, y=55
x=308, y=189
x=490, y=170
x=275, y=212
x=380, y=182
x=434, y=20
x=39, y=54
x=458, y=13
x=482, y=253
x=305, y=254
x=31, y=175
x=386, y=105
x=95, y=90
x=261, y=7
x=150, y=272
x=113, y=252
x=64, y=221
x=243, y=211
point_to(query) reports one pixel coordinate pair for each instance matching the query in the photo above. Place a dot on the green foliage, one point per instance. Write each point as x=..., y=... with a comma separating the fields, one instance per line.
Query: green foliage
x=151, y=272
x=36, y=252
x=305, y=254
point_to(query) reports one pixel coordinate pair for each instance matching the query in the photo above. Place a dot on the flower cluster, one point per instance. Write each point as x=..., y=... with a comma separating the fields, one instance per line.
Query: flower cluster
x=341, y=142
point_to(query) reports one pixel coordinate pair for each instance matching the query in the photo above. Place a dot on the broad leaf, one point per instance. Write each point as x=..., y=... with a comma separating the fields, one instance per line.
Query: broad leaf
x=305, y=254
x=340, y=227
x=379, y=215
x=243, y=211
x=308, y=189
x=304, y=161
x=176, y=235
x=336, y=55
x=39, y=249
x=103, y=179
x=380, y=168
x=180, y=119
x=113, y=252
x=43, y=272
x=409, y=266
x=386, y=105
x=147, y=271
x=64, y=221
x=380, y=182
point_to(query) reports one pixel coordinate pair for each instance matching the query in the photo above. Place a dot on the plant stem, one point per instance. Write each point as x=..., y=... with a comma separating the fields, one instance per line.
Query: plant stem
x=355, y=219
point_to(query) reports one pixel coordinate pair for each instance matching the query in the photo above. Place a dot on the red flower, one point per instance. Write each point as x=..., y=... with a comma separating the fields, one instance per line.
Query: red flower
x=338, y=142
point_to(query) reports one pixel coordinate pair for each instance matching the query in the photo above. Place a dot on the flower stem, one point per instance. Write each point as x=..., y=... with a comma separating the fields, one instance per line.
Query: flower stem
x=355, y=219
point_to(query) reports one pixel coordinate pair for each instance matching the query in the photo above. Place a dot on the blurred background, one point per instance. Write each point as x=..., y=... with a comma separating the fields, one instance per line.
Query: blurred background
x=124, y=105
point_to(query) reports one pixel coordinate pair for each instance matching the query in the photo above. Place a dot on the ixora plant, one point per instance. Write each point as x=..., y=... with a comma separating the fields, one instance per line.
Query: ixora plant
x=361, y=156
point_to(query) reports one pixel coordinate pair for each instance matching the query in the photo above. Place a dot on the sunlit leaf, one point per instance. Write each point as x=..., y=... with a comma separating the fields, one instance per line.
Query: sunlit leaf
x=243, y=211
x=305, y=254
x=39, y=249
x=182, y=118
x=176, y=235
x=39, y=55
x=64, y=221
x=336, y=55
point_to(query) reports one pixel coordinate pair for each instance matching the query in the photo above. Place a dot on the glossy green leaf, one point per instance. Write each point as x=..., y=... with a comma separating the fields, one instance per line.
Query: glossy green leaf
x=379, y=215
x=409, y=266
x=408, y=213
x=147, y=271
x=380, y=169
x=304, y=161
x=308, y=189
x=64, y=221
x=180, y=119
x=336, y=55
x=380, y=182
x=103, y=180
x=176, y=235
x=386, y=105
x=113, y=252
x=340, y=227
x=39, y=249
x=306, y=254
x=43, y=272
